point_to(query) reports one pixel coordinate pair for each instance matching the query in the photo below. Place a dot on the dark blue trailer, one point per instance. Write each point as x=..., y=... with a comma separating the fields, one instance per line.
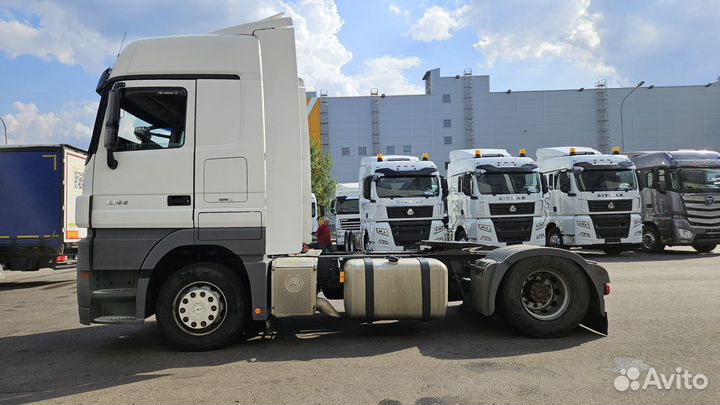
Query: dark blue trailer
x=38, y=187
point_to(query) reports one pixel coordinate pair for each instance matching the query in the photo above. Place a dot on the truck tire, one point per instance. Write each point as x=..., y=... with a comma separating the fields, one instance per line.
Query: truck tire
x=460, y=235
x=202, y=306
x=704, y=247
x=554, y=238
x=651, y=240
x=544, y=297
x=612, y=250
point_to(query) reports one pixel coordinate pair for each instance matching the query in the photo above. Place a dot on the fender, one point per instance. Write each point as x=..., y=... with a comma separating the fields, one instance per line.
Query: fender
x=488, y=273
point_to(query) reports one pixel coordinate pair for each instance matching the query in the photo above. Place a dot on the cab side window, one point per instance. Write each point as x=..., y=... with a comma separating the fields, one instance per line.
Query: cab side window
x=152, y=118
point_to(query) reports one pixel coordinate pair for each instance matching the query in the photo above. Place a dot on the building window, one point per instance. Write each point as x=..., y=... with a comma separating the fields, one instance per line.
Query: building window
x=447, y=123
x=362, y=150
x=346, y=151
x=407, y=149
x=390, y=150
x=446, y=98
x=448, y=140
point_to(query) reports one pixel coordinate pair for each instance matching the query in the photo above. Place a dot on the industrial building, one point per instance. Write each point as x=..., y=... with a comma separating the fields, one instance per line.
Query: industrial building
x=460, y=111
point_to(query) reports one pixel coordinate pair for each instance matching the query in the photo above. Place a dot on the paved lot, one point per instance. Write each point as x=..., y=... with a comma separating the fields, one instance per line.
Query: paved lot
x=663, y=314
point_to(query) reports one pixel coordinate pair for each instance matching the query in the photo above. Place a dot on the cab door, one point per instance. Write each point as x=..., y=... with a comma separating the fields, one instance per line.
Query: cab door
x=152, y=183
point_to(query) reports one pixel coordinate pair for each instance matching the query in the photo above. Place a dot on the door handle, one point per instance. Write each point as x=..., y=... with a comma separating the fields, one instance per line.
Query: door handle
x=174, y=200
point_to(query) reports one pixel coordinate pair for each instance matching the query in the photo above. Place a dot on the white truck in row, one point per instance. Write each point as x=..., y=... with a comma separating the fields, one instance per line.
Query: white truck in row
x=196, y=203
x=346, y=209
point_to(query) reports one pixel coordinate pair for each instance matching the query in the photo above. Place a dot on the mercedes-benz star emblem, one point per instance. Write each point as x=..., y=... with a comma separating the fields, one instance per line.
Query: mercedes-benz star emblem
x=512, y=208
x=411, y=212
x=611, y=206
x=709, y=200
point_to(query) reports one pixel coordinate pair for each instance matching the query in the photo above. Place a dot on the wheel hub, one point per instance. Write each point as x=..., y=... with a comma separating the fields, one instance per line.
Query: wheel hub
x=544, y=294
x=200, y=307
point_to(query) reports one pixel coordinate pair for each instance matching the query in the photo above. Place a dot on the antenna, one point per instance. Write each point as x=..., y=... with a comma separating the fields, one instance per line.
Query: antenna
x=121, y=44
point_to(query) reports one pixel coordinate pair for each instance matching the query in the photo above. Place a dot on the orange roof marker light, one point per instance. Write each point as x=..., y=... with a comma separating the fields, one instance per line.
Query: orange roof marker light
x=522, y=153
x=616, y=150
x=572, y=151
x=258, y=311
x=425, y=157
x=478, y=153
x=379, y=157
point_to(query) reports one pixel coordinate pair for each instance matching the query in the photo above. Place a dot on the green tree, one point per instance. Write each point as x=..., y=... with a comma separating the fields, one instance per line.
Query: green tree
x=321, y=165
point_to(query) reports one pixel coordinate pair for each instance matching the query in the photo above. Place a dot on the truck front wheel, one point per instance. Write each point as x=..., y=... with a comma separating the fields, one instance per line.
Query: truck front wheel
x=202, y=307
x=544, y=297
x=704, y=247
x=651, y=241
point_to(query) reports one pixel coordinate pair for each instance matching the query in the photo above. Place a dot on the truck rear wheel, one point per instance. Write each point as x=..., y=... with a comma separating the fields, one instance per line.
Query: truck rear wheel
x=202, y=307
x=544, y=297
x=651, y=241
x=704, y=247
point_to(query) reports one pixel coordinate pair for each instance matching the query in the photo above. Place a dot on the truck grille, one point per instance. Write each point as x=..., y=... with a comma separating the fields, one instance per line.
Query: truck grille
x=513, y=230
x=699, y=213
x=527, y=208
x=408, y=233
x=610, y=205
x=350, y=224
x=423, y=211
x=611, y=225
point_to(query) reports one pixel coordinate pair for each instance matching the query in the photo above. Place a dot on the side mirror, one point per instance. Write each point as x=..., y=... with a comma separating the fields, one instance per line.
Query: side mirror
x=112, y=124
x=444, y=187
x=321, y=209
x=544, y=185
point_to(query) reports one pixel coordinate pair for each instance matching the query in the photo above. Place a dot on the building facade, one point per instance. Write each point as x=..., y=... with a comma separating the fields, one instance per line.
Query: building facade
x=459, y=112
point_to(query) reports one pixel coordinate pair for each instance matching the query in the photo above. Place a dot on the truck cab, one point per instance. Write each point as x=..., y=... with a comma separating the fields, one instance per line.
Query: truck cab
x=594, y=199
x=495, y=199
x=401, y=203
x=681, y=198
x=346, y=209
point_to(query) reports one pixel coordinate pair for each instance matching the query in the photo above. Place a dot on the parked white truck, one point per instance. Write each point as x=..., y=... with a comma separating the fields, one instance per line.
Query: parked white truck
x=196, y=200
x=594, y=199
x=495, y=199
x=401, y=203
x=346, y=209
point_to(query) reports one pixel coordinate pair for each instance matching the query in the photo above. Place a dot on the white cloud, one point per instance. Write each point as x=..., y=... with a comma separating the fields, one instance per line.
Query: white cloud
x=439, y=24
x=29, y=125
x=397, y=10
x=387, y=74
x=566, y=32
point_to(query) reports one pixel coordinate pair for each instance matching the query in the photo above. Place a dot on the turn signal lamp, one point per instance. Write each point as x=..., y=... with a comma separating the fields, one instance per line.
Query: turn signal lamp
x=477, y=153
x=522, y=153
x=342, y=277
x=572, y=151
x=258, y=311
x=425, y=157
x=379, y=157
x=616, y=150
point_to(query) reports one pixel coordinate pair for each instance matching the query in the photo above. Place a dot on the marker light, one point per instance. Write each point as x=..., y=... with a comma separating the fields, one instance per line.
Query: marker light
x=258, y=311
x=572, y=151
x=477, y=153
x=342, y=277
x=425, y=156
x=379, y=157
x=522, y=153
x=616, y=150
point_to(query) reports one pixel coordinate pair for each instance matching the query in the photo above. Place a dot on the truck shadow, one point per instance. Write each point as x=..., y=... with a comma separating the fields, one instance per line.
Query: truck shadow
x=638, y=256
x=20, y=285
x=57, y=364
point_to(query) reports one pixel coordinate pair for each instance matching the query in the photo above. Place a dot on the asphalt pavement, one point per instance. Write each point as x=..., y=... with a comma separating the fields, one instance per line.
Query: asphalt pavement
x=663, y=314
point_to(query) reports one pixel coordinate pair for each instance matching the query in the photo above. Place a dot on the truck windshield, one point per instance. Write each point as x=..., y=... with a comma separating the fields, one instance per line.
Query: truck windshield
x=346, y=206
x=415, y=186
x=509, y=183
x=698, y=179
x=606, y=180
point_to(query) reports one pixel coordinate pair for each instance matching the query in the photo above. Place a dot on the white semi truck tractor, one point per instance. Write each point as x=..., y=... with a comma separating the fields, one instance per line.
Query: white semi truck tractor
x=594, y=199
x=196, y=203
x=495, y=199
x=401, y=203
x=346, y=209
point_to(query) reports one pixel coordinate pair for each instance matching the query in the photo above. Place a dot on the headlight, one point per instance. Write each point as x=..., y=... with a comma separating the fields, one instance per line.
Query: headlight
x=485, y=238
x=584, y=235
x=438, y=229
x=583, y=224
x=637, y=222
x=382, y=231
x=485, y=228
x=382, y=242
x=539, y=225
x=685, y=234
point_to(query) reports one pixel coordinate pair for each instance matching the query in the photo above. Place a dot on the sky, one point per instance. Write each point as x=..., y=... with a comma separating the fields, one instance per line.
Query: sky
x=52, y=52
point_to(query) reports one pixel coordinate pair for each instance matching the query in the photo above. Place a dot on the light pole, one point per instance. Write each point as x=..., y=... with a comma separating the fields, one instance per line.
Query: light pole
x=5, y=128
x=622, y=129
